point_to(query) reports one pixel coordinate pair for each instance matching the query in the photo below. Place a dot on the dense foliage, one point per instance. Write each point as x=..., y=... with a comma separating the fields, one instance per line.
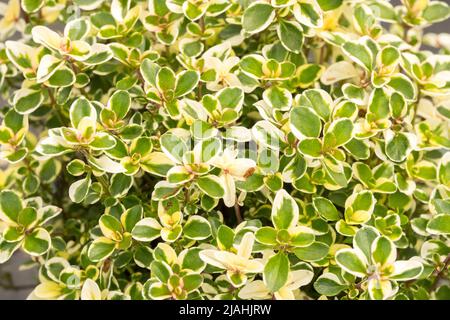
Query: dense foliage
x=226, y=149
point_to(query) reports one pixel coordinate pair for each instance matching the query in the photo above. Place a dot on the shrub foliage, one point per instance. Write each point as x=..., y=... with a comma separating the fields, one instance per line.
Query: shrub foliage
x=226, y=149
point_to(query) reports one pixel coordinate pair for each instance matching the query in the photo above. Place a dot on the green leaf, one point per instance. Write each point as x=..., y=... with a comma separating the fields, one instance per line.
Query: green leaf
x=225, y=237
x=26, y=101
x=100, y=249
x=302, y=236
x=120, y=103
x=383, y=251
x=328, y=284
x=110, y=226
x=149, y=70
x=384, y=11
x=80, y=109
x=349, y=260
x=308, y=14
x=354, y=93
x=402, y=84
x=77, y=29
x=345, y=229
x=191, y=260
x=268, y=135
x=439, y=224
x=231, y=97
x=278, y=98
x=160, y=270
x=307, y=74
x=37, y=242
x=211, y=185
x=359, y=53
x=186, y=82
x=359, y=207
x=311, y=147
x=192, y=11
x=267, y=236
x=79, y=189
x=171, y=235
x=192, y=281
x=179, y=175
x=131, y=217
x=63, y=77
x=285, y=211
x=363, y=173
x=143, y=256
x=102, y=141
x=166, y=80
x=398, y=105
x=173, y=146
x=363, y=241
x=30, y=6
x=12, y=234
x=276, y=272
x=7, y=249
x=326, y=209
x=31, y=184
x=315, y=252
x=304, y=123
x=120, y=184
x=159, y=291
x=379, y=103
x=156, y=163
x=252, y=65
x=28, y=217
x=328, y=5
x=389, y=56
x=319, y=100
x=290, y=34
x=146, y=230
x=436, y=11
x=398, y=145
x=339, y=133
x=164, y=190
x=207, y=149
x=257, y=17
x=359, y=149
x=10, y=205
x=406, y=270
x=197, y=228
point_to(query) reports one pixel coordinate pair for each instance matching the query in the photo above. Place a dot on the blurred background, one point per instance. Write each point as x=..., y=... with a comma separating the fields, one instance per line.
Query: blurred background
x=17, y=284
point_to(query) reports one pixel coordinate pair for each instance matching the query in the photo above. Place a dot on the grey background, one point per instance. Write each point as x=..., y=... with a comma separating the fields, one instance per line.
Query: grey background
x=24, y=281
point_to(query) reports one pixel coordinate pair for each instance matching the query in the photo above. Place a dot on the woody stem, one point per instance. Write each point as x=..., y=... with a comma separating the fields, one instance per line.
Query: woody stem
x=237, y=212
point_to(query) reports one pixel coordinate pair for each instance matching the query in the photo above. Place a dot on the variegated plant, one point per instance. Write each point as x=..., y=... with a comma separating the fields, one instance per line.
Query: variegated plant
x=226, y=149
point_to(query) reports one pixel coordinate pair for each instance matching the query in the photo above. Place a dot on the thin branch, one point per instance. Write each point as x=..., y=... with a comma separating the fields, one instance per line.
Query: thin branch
x=237, y=212
x=55, y=106
x=440, y=273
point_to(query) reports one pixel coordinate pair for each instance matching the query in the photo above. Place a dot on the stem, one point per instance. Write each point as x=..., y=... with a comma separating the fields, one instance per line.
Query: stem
x=76, y=70
x=186, y=195
x=101, y=179
x=140, y=78
x=359, y=285
x=104, y=183
x=322, y=54
x=55, y=105
x=237, y=213
x=201, y=22
x=200, y=90
x=439, y=274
